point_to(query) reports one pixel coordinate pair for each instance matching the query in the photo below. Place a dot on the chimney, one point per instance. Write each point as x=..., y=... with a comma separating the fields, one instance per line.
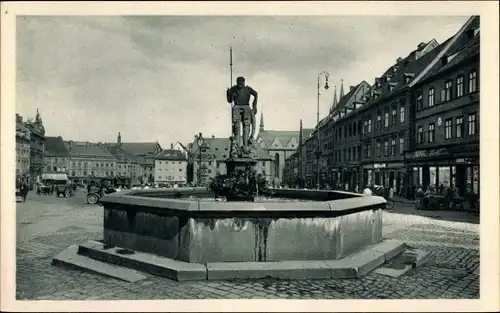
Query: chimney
x=351, y=88
x=171, y=146
x=87, y=144
x=421, y=46
x=399, y=60
x=213, y=136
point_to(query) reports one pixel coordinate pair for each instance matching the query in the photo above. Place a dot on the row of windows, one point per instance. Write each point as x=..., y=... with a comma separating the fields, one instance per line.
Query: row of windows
x=451, y=130
x=447, y=93
x=168, y=169
x=172, y=177
x=389, y=147
x=171, y=162
x=92, y=173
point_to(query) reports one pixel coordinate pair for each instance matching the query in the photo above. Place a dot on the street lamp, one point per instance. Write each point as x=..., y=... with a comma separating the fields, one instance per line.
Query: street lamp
x=318, y=141
x=200, y=142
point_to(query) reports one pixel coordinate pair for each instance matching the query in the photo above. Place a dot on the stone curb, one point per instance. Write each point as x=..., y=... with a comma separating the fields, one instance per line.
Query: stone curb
x=351, y=266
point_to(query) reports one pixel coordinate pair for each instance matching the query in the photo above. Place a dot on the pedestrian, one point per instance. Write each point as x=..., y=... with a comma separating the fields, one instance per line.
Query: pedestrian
x=419, y=194
x=367, y=191
x=24, y=190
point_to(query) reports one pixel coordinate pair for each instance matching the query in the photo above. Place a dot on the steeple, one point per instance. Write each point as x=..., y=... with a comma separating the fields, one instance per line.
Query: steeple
x=341, y=89
x=38, y=119
x=261, y=126
x=334, y=104
x=119, y=140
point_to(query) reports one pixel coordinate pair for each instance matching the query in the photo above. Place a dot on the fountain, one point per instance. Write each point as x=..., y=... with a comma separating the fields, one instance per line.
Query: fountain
x=183, y=234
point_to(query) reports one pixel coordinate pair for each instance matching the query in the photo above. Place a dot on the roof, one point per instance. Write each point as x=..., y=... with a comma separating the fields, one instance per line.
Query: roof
x=54, y=146
x=219, y=149
x=91, y=150
x=122, y=155
x=461, y=50
x=137, y=148
x=171, y=154
x=283, y=136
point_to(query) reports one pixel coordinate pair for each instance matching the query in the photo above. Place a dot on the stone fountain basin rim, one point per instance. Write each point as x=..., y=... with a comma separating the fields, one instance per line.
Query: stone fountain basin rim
x=125, y=201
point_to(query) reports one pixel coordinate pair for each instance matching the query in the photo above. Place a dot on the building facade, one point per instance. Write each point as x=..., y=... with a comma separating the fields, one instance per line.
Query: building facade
x=418, y=124
x=22, y=148
x=37, y=147
x=279, y=145
x=445, y=152
x=171, y=167
x=128, y=169
x=214, y=152
x=145, y=153
x=90, y=162
x=57, y=157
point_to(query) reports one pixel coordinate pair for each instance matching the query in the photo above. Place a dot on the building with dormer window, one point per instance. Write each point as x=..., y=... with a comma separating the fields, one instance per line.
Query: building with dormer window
x=22, y=147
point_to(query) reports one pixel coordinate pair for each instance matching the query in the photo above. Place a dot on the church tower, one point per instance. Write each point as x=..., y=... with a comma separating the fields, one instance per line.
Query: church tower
x=341, y=89
x=334, y=104
x=261, y=126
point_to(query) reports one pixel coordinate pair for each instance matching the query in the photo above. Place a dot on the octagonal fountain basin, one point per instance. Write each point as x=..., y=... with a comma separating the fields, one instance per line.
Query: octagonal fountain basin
x=186, y=224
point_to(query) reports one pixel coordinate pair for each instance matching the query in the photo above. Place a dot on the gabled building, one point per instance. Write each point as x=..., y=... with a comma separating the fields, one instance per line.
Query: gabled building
x=57, y=157
x=444, y=150
x=145, y=152
x=386, y=118
x=279, y=145
x=171, y=167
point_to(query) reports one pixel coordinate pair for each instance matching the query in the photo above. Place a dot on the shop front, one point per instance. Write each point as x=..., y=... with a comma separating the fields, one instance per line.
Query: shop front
x=390, y=175
x=442, y=169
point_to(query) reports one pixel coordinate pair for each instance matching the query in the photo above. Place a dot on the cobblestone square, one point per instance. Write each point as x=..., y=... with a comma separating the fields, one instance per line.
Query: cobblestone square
x=47, y=225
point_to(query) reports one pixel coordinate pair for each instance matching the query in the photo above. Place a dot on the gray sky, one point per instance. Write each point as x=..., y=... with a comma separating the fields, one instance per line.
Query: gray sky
x=164, y=78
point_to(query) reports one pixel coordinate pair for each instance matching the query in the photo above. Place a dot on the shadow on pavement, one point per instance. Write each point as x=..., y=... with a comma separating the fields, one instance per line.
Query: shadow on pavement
x=448, y=215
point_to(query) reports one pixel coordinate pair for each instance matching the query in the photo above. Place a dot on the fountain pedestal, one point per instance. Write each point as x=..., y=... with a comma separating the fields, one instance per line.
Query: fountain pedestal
x=241, y=169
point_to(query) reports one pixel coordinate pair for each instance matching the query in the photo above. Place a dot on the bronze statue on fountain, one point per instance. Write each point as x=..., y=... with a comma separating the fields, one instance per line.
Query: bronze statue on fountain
x=241, y=182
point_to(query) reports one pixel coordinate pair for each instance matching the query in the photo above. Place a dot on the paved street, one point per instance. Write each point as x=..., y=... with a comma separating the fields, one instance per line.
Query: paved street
x=47, y=225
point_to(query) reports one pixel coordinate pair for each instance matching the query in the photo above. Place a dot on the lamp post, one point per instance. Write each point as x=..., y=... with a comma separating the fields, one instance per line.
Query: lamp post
x=318, y=141
x=200, y=142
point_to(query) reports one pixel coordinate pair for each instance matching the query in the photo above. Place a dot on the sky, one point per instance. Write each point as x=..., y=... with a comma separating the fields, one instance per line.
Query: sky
x=163, y=78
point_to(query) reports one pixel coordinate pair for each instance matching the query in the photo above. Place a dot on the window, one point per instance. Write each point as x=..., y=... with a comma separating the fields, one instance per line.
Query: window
x=432, y=97
x=432, y=134
x=447, y=129
x=472, y=124
x=72, y=173
x=393, y=117
x=420, y=135
x=378, y=125
x=459, y=127
x=365, y=123
x=386, y=118
x=401, y=145
x=377, y=149
x=393, y=147
x=460, y=86
x=419, y=102
x=447, y=90
x=402, y=115
x=443, y=95
x=369, y=126
x=386, y=148
x=472, y=81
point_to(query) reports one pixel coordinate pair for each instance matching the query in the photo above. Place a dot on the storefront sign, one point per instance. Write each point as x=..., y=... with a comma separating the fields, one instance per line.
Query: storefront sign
x=383, y=165
x=460, y=161
x=426, y=153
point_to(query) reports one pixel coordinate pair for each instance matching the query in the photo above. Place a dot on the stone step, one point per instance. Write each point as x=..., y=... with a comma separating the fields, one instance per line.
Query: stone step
x=352, y=266
x=71, y=259
x=403, y=263
x=149, y=263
